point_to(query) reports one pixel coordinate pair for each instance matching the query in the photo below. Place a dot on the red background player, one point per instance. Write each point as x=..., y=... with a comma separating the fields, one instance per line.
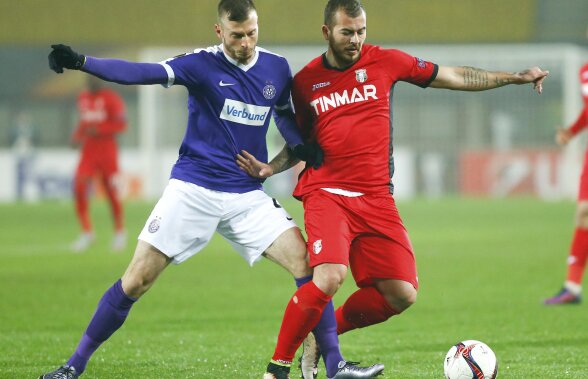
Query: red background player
x=102, y=115
x=570, y=293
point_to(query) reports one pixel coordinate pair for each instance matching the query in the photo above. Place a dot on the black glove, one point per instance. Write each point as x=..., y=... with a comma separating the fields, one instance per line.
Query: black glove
x=311, y=153
x=63, y=56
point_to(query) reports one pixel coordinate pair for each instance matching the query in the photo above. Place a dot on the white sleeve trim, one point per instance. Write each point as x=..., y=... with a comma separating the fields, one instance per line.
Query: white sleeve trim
x=171, y=77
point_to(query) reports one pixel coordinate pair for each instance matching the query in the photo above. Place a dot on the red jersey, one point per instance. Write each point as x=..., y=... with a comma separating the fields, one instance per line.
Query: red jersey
x=102, y=115
x=348, y=113
x=582, y=121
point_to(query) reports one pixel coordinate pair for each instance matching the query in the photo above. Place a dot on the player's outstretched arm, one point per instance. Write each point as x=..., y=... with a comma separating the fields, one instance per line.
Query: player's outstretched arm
x=476, y=79
x=112, y=70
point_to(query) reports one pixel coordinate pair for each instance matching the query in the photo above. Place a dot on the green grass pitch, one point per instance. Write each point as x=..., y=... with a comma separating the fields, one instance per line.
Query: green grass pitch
x=484, y=267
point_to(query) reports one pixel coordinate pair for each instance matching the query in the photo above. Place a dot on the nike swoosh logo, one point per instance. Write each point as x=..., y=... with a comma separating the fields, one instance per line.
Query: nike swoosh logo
x=223, y=84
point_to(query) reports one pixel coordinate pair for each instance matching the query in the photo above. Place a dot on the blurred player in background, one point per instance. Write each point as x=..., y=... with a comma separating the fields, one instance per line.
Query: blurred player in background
x=570, y=293
x=23, y=138
x=233, y=89
x=342, y=101
x=102, y=115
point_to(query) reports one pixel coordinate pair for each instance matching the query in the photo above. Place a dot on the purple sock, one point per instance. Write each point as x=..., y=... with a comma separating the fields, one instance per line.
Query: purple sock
x=326, y=336
x=111, y=313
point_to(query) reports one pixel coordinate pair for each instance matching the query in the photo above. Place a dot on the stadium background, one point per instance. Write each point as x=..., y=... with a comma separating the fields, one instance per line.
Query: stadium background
x=498, y=143
x=485, y=262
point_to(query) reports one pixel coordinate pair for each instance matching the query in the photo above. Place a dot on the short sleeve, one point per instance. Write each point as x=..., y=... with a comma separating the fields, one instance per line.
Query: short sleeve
x=183, y=69
x=407, y=68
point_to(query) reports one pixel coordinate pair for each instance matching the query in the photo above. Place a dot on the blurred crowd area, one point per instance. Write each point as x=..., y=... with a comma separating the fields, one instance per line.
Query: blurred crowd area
x=496, y=143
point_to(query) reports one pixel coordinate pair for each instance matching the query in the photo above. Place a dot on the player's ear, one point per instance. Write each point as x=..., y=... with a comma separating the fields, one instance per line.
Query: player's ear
x=326, y=32
x=218, y=31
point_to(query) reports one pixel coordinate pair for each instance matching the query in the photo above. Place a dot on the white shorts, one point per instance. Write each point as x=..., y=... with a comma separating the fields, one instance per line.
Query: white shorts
x=186, y=216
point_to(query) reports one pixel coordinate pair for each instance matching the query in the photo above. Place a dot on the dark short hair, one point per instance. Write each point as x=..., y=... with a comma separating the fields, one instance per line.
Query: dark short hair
x=236, y=10
x=352, y=8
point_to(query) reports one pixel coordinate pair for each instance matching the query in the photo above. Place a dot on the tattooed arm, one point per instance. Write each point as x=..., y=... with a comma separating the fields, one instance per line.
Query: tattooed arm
x=475, y=79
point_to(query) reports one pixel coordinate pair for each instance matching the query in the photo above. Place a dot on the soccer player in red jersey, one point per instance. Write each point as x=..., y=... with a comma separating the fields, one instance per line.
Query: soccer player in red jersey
x=570, y=293
x=342, y=101
x=102, y=115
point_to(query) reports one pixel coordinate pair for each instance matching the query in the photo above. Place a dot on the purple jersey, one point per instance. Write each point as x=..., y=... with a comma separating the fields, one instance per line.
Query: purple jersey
x=229, y=106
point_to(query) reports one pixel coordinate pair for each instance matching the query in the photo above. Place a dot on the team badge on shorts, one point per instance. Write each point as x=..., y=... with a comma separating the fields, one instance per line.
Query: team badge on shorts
x=154, y=225
x=269, y=91
x=317, y=246
x=361, y=75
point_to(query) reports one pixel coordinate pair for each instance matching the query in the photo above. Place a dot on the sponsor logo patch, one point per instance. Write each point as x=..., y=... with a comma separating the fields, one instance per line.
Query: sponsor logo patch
x=320, y=85
x=243, y=113
x=337, y=99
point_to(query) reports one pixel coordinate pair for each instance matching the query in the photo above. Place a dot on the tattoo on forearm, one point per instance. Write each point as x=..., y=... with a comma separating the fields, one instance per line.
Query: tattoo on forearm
x=283, y=161
x=501, y=81
x=478, y=79
x=475, y=78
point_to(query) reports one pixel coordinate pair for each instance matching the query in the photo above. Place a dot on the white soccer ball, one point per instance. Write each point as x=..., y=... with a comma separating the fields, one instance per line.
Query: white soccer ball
x=470, y=359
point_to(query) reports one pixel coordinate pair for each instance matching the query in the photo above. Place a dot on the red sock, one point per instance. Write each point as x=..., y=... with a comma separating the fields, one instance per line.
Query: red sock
x=363, y=308
x=81, y=200
x=578, y=255
x=301, y=316
x=115, y=204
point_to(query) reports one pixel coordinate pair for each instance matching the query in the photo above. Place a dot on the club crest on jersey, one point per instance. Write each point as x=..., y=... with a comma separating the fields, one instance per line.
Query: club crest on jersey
x=361, y=75
x=269, y=91
x=317, y=246
x=154, y=225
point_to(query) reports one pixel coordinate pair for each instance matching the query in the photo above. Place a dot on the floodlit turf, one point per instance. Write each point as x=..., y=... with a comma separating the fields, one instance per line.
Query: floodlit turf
x=484, y=268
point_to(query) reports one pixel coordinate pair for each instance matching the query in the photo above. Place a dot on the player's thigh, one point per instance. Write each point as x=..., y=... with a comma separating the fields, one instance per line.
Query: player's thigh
x=108, y=163
x=289, y=251
x=146, y=265
x=86, y=168
x=252, y=222
x=183, y=221
x=381, y=257
x=327, y=227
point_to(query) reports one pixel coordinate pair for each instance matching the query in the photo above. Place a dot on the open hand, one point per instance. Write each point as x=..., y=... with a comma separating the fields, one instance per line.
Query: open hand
x=253, y=167
x=563, y=136
x=536, y=76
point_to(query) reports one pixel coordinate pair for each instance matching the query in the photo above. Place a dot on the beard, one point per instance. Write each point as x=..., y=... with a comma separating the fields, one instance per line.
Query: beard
x=345, y=56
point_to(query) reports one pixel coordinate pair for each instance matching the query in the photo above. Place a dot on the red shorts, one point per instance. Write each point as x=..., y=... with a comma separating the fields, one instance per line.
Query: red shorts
x=583, y=192
x=364, y=232
x=91, y=163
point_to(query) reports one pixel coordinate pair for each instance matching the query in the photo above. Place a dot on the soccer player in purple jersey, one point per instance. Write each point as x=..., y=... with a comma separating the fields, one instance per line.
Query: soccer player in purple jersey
x=233, y=89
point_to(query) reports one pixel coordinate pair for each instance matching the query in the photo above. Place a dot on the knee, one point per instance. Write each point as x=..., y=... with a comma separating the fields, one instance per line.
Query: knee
x=582, y=217
x=135, y=285
x=400, y=295
x=329, y=277
x=404, y=300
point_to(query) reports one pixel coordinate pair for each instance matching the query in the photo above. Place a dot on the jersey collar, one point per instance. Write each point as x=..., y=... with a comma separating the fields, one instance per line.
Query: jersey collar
x=328, y=66
x=240, y=65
